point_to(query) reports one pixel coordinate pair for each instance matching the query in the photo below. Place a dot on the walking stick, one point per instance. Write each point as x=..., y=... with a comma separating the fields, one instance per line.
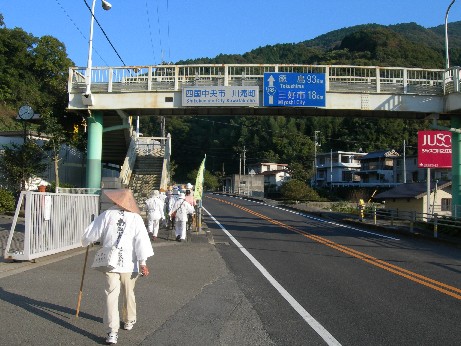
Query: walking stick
x=81, y=283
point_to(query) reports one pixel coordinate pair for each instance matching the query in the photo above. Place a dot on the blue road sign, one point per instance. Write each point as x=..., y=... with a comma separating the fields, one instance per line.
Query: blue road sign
x=294, y=89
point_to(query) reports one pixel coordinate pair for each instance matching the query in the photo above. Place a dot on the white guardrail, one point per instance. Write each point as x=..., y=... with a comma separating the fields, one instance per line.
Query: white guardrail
x=53, y=223
x=338, y=78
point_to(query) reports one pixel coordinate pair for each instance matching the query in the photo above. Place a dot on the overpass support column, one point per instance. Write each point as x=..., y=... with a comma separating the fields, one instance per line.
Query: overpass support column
x=456, y=166
x=94, y=150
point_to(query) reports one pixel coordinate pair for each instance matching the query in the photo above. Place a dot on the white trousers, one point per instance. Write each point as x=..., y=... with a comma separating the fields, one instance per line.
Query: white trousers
x=153, y=226
x=114, y=283
x=180, y=228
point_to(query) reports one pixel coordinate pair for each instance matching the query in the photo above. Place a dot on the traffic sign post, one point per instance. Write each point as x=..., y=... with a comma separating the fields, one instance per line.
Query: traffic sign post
x=294, y=89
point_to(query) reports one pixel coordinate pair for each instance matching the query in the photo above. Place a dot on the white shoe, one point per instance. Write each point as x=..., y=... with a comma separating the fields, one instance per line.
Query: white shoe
x=129, y=325
x=112, y=338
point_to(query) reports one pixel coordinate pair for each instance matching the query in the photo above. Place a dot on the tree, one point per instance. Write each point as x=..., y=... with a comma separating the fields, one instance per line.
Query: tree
x=34, y=71
x=299, y=172
x=210, y=181
x=56, y=139
x=6, y=201
x=20, y=163
x=297, y=190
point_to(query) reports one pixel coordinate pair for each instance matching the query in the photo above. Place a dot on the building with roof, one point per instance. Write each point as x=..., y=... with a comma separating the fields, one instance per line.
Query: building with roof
x=338, y=168
x=261, y=167
x=413, y=197
x=377, y=168
x=262, y=179
x=406, y=170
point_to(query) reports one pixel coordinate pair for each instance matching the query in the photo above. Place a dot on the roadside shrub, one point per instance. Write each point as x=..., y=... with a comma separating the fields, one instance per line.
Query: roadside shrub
x=344, y=207
x=297, y=190
x=7, y=202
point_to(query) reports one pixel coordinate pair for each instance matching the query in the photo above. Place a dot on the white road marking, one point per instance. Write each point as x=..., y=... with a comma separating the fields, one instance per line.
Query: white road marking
x=319, y=329
x=323, y=220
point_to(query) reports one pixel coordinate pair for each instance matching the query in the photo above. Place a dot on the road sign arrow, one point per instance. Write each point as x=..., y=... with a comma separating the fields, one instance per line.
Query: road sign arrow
x=271, y=80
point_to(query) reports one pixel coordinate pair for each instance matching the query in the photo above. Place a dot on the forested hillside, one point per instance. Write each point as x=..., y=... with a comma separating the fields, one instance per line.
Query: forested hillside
x=33, y=70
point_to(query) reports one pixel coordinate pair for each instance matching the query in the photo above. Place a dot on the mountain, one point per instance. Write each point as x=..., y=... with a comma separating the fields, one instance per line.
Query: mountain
x=405, y=45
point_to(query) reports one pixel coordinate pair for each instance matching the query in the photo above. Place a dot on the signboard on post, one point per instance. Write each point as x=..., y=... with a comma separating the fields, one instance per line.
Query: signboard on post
x=207, y=96
x=294, y=89
x=434, y=149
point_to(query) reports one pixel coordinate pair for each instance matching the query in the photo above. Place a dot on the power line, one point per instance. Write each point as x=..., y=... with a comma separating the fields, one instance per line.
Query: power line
x=168, y=31
x=105, y=35
x=78, y=29
x=159, y=33
x=150, y=32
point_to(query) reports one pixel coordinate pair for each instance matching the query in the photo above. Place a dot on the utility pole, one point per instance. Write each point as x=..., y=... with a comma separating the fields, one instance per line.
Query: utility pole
x=223, y=178
x=162, y=126
x=331, y=168
x=316, y=137
x=404, y=163
x=244, y=160
x=240, y=173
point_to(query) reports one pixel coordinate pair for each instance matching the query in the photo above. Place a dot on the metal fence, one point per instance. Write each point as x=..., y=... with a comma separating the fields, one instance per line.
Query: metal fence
x=413, y=220
x=54, y=222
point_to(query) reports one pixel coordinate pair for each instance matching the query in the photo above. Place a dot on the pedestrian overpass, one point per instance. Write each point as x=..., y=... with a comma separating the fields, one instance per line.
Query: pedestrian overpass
x=107, y=95
x=357, y=91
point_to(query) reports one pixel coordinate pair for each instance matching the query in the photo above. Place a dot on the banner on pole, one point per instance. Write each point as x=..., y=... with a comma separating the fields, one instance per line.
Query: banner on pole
x=198, y=191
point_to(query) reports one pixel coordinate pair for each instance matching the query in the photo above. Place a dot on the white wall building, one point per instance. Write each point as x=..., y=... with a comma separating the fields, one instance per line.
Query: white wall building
x=337, y=168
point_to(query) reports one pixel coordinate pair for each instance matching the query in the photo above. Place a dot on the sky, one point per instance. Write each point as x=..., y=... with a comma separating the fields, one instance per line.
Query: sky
x=147, y=32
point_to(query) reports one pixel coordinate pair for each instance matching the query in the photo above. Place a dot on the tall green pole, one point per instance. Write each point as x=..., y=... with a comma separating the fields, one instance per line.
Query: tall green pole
x=94, y=150
x=456, y=165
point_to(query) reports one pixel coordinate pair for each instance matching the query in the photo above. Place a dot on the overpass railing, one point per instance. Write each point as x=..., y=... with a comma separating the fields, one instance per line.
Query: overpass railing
x=452, y=80
x=128, y=163
x=339, y=78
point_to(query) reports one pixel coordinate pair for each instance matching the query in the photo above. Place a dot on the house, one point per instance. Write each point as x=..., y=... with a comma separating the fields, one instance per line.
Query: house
x=275, y=174
x=337, y=168
x=406, y=170
x=262, y=167
x=273, y=180
x=377, y=168
x=245, y=184
x=262, y=178
x=413, y=197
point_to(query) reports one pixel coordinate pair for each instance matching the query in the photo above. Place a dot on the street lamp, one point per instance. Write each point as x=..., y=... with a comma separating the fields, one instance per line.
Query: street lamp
x=25, y=113
x=447, y=58
x=106, y=6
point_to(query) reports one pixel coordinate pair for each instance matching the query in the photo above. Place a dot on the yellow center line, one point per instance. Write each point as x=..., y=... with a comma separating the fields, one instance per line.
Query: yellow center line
x=415, y=277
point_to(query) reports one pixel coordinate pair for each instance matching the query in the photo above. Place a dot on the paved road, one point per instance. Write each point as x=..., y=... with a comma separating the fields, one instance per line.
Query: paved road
x=360, y=286
x=207, y=292
x=189, y=299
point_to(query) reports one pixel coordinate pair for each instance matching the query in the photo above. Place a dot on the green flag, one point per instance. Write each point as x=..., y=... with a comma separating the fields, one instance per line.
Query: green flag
x=198, y=191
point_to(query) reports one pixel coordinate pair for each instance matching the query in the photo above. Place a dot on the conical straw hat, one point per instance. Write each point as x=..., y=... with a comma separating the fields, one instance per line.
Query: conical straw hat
x=123, y=198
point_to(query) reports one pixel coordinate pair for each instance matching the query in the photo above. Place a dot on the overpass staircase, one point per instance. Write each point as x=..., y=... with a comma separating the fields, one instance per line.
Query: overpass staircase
x=146, y=177
x=146, y=166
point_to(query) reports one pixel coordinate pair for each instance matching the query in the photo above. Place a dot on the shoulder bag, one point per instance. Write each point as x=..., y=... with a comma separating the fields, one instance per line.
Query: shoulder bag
x=106, y=258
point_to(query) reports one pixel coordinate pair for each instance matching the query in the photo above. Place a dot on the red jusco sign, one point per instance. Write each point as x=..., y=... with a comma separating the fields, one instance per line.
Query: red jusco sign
x=434, y=149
